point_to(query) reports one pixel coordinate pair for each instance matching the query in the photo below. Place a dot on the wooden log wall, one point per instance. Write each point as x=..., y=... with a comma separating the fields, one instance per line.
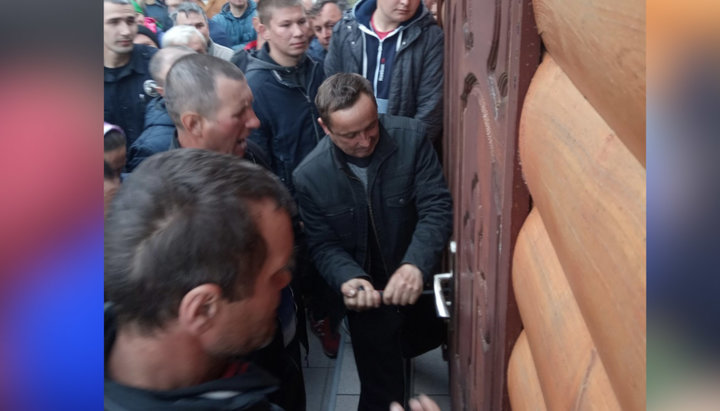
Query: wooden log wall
x=601, y=46
x=523, y=383
x=572, y=376
x=579, y=264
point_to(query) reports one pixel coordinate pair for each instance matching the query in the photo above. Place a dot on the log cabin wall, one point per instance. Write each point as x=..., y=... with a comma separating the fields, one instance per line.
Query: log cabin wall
x=579, y=261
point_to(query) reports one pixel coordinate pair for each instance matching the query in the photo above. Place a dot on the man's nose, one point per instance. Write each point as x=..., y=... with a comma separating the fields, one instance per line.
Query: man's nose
x=299, y=30
x=125, y=29
x=364, y=140
x=252, y=121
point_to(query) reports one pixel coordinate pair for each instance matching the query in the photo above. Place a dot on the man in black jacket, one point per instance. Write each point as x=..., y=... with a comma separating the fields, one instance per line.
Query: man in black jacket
x=284, y=81
x=125, y=69
x=197, y=250
x=377, y=214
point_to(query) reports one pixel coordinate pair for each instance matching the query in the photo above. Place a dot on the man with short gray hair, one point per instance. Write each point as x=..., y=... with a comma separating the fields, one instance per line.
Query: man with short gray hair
x=186, y=36
x=190, y=14
x=211, y=104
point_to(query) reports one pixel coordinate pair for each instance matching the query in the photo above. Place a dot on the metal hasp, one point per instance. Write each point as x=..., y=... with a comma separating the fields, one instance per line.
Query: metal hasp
x=440, y=281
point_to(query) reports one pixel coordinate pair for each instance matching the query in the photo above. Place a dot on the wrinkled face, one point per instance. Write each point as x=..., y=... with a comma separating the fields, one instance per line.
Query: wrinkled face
x=195, y=20
x=324, y=22
x=355, y=130
x=286, y=32
x=398, y=11
x=234, y=118
x=119, y=27
x=249, y=324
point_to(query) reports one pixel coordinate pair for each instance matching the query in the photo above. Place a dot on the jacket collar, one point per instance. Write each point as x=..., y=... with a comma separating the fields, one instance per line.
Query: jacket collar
x=138, y=63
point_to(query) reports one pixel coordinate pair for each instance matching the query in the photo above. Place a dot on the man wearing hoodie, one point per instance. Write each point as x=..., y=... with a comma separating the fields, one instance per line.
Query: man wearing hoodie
x=398, y=46
x=284, y=81
x=236, y=19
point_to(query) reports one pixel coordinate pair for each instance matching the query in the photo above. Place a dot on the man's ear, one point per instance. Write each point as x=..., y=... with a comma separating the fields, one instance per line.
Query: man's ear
x=199, y=308
x=325, y=129
x=192, y=123
x=160, y=90
x=262, y=30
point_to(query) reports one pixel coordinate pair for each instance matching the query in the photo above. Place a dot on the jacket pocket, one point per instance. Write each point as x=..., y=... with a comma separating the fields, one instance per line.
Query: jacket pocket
x=342, y=221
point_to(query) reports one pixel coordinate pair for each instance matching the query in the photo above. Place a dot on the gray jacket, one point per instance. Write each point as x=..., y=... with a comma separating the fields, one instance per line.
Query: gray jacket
x=416, y=88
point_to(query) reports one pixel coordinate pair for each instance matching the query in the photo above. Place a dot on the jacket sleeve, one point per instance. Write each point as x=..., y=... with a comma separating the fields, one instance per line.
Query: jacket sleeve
x=430, y=88
x=333, y=263
x=333, y=59
x=434, y=208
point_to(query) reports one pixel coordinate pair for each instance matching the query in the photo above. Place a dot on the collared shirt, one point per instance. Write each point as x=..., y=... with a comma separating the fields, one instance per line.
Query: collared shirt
x=125, y=99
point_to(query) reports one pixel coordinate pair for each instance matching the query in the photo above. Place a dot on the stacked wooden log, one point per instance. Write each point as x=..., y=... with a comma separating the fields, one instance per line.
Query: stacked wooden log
x=579, y=262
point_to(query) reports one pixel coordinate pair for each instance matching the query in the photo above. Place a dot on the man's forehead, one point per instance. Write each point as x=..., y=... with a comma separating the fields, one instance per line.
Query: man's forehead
x=116, y=10
x=329, y=9
x=189, y=16
x=286, y=11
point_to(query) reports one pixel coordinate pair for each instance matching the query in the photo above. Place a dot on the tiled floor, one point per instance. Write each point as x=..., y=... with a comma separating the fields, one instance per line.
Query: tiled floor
x=333, y=385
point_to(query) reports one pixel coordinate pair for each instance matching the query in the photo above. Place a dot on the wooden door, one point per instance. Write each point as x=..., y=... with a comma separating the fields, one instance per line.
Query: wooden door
x=492, y=50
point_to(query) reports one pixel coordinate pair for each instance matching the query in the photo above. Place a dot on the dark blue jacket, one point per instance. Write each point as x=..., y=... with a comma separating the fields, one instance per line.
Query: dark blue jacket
x=157, y=136
x=316, y=50
x=285, y=105
x=407, y=202
x=125, y=99
x=218, y=34
x=239, y=30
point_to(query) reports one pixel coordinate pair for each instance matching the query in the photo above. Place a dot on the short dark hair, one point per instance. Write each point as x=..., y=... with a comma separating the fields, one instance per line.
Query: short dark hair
x=113, y=139
x=341, y=91
x=180, y=220
x=264, y=6
x=190, y=84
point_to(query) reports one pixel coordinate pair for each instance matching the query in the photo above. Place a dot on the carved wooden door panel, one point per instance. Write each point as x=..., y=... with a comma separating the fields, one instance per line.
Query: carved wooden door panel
x=492, y=50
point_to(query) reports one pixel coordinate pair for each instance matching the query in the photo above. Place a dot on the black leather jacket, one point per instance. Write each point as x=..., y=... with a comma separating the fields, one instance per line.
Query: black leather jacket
x=410, y=206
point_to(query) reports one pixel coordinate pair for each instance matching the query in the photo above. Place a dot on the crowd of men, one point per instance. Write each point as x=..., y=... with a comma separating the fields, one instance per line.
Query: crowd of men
x=271, y=160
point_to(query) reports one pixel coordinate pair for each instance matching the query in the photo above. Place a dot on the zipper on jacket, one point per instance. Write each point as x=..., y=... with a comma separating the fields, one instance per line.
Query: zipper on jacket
x=372, y=223
x=377, y=239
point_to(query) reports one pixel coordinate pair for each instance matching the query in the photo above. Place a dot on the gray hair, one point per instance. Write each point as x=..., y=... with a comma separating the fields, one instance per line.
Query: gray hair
x=190, y=85
x=161, y=62
x=318, y=5
x=181, y=35
x=187, y=8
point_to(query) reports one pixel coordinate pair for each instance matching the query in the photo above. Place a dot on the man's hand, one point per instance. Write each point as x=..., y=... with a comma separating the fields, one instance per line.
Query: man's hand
x=422, y=403
x=404, y=287
x=359, y=294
